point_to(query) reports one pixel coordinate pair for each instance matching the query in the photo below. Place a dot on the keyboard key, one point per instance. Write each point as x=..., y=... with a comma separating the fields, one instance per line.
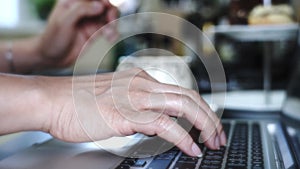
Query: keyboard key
x=165, y=156
x=209, y=167
x=256, y=147
x=226, y=127
x=215, y=152
x=257, y=162
x=237, y=161
x=257, y=167
x=161, y=164
x=257, y=158
x=237, y=156
x=188, y=160
x=236, y=165
x=214, y=157
x=123, y=167
x=129, y=161
x=140, y=163
x=238, y=151
x=238, y=148
x=212, y=162
x=182, y=165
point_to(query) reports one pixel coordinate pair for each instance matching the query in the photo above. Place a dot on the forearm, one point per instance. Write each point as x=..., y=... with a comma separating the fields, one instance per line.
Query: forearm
x=25, y=56
x=21, y=104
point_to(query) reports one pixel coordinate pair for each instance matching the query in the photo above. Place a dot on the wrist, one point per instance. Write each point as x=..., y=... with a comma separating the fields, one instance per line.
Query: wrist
x=53, y=92
x=42, y=105
x=41, y=59
x=26, y=55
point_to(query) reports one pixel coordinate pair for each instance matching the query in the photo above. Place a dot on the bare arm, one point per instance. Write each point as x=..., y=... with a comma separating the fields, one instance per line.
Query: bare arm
x=21, y=104
x=102, y=106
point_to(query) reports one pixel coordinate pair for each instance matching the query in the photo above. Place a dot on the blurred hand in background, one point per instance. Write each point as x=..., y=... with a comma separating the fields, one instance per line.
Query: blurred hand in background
x=70, y=25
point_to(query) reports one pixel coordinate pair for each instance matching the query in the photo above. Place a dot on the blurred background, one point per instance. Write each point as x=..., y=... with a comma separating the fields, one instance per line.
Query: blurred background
x=257, y=42
x=244, y=59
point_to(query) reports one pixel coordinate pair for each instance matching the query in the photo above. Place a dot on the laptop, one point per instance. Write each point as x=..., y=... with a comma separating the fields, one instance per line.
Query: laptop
x=256, y=140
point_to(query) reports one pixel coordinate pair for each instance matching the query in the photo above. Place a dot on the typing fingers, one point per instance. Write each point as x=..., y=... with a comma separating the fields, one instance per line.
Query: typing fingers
x=169, y=130
x=182, y=106
x=199, y=100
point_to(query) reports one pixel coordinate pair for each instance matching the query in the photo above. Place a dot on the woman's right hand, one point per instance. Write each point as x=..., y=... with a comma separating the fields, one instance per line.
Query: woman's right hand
x=124, y=103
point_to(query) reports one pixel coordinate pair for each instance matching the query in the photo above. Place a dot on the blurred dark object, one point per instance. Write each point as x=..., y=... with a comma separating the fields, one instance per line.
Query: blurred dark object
x=240, y=9
x=209, y=9
x=204, y=10
x=294, y=85
x=243, y=63
x=43, y=7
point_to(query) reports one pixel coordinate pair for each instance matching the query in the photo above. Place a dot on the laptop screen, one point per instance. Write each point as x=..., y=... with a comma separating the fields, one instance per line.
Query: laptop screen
x=291, y=106
x=291, y=109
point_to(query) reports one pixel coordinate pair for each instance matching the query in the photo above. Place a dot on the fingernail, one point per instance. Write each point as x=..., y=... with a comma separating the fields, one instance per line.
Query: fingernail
x=196, y=150
x=217, y=142
x=223, y=138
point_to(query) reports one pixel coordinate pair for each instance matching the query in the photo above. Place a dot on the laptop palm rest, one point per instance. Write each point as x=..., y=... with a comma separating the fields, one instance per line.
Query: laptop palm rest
x=55, y=154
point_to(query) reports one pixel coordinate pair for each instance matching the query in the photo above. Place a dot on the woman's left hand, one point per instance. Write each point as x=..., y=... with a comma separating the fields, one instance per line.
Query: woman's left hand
x=70, y=25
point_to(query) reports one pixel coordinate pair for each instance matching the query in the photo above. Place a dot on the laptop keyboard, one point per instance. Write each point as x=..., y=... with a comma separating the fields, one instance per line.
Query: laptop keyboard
x=244, y=141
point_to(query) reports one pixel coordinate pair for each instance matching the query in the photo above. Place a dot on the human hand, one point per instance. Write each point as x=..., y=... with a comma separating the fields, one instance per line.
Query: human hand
x=125, y=103
x=71, y=24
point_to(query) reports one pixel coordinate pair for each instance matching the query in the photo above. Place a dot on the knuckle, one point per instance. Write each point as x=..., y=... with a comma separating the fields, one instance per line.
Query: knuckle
x=163, y=123
x=195, y=94
x=140, y=100
x=139, y=78
x=205, y=124
x=209, y=135
x=76, y=6
x=142, y=73
x=138, y=70
x=186, y=100
x=126, y=128
x=177, y=97
x=187, y=141
x=210, y=131
x=220, y=128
